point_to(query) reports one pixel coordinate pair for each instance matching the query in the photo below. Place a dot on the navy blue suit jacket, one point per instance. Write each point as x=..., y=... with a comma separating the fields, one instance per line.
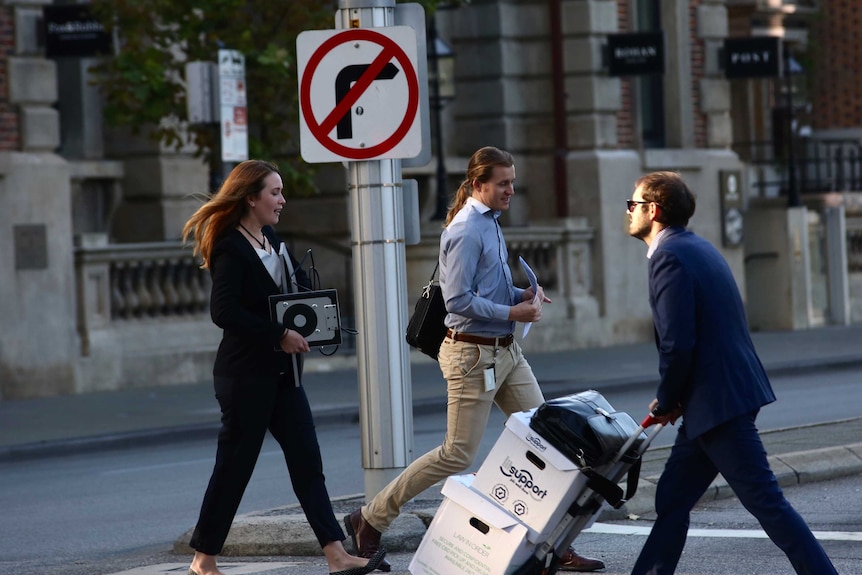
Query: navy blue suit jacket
x=707, y=360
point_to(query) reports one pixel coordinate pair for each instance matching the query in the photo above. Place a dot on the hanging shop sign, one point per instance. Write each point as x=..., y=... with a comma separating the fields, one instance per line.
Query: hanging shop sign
x=757, y=57
x=71, y=30
x=635, y=54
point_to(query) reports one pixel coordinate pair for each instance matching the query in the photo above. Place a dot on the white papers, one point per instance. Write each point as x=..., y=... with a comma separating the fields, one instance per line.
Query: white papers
x=534, y=284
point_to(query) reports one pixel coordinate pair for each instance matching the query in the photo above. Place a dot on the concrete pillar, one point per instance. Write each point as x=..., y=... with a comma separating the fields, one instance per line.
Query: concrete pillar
x=505, y=85
x=678, y=101
x=81, y=109
x=38, y=344
x=777, y=266
x=161, y=187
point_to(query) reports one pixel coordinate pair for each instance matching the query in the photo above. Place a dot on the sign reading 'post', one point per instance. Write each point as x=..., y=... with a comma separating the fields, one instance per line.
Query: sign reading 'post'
x=358, y=94
x=758, y=57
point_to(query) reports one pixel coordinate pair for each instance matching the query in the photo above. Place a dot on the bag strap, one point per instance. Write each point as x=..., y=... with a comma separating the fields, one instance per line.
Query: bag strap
x=434, y=273
x=610, y=491
x=426, y=291
x=287, y=283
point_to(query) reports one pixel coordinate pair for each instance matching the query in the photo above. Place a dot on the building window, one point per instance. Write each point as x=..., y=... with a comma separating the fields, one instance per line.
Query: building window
x=650, y=87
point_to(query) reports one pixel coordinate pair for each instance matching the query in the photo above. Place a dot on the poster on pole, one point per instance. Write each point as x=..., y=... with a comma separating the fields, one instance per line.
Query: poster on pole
x=233, y=116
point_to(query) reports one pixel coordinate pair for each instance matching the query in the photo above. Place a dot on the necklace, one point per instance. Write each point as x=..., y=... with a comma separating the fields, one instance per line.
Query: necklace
x=261, y=243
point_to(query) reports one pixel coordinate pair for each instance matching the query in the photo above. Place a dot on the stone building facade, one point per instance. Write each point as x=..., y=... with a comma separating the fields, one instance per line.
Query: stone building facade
x=532, y=77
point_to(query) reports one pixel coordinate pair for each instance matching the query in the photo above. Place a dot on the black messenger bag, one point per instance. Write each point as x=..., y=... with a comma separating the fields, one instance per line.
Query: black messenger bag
x=585, y=428
x=426, y=329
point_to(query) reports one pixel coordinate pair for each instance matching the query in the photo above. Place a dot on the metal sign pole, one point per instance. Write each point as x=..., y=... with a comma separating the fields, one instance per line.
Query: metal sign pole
x=376, y=205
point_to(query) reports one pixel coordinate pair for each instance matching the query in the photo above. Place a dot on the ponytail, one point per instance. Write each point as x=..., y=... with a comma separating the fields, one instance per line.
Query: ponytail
x=458, y=201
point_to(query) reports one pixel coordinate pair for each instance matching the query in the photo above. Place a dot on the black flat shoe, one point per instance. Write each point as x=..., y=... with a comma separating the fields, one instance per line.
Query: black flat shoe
x=372, y=564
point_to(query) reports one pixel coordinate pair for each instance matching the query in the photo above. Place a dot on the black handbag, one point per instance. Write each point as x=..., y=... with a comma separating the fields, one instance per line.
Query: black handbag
x=426, y=329
x=585, y=428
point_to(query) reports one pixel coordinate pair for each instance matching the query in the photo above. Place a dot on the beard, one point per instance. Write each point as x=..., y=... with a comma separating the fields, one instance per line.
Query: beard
x=640, y=230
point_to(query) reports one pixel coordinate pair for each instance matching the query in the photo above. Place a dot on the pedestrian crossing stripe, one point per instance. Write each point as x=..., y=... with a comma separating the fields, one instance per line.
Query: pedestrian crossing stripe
x=245, y=568
x=616, y=529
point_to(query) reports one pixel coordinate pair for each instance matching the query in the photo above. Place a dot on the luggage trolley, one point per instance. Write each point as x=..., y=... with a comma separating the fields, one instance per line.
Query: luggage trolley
x=546, y=479
x=601, y=487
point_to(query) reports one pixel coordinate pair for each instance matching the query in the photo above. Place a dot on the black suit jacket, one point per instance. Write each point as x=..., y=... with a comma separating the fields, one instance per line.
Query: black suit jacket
x=239, y=304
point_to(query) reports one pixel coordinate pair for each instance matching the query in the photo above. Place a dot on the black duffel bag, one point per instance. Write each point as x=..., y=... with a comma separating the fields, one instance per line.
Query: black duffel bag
x=585, y=428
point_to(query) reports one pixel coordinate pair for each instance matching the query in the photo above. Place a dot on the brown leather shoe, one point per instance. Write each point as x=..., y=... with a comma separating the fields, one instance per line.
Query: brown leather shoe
x=571, y=561
x=366, y=539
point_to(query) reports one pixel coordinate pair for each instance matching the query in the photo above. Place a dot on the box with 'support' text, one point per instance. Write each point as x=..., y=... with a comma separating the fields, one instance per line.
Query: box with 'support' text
x=470, y=536
x=529, y=478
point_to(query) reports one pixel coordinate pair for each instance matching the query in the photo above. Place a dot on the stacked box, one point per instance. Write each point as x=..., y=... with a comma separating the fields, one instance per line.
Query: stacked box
x=529, y=478
x=470, y=535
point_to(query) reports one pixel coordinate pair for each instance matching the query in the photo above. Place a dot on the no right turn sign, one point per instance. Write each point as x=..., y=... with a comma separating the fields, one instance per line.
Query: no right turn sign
x=358, y=94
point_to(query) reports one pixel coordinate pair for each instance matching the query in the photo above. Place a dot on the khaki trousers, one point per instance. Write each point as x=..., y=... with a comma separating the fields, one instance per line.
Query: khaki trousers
x=469, y=405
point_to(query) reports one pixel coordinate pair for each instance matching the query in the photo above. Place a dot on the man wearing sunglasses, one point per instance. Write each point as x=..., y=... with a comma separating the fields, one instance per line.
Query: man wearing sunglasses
x=712, y=378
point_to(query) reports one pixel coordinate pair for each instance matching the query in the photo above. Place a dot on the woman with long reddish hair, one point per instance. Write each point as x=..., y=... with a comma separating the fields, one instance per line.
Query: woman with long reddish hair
x=258, y=366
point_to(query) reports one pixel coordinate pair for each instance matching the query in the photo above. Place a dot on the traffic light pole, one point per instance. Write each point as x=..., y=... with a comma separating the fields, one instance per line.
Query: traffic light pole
x=376, y=213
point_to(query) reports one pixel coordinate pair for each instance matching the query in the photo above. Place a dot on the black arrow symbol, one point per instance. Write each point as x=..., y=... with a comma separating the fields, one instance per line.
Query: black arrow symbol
x=345, y=78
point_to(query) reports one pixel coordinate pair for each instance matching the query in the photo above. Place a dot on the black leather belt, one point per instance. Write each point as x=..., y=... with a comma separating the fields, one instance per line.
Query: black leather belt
x=503, y=341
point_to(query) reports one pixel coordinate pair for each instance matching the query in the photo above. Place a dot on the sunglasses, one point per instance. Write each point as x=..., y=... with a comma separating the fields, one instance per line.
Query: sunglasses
x=630, y=204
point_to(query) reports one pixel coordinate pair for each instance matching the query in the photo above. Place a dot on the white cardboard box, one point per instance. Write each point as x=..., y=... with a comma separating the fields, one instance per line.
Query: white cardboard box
x=529, y=478
x=471, y=536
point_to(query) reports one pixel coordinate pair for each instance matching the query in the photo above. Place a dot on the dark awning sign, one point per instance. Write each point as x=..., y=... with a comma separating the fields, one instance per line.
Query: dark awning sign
x=636, y=54
x=71, y=30
x=758, y=57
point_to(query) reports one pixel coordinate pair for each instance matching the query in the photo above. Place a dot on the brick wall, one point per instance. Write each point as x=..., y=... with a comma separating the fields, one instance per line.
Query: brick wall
x=9, y=134
x=836, y=72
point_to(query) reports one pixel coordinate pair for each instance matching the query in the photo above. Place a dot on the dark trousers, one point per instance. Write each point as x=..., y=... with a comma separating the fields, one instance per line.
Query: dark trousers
x=249, y=407
x=733, y=449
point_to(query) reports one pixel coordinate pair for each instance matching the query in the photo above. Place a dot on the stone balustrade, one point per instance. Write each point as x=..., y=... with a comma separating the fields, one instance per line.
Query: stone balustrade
x=117, y=283
x=142, y=280
x=558, y=251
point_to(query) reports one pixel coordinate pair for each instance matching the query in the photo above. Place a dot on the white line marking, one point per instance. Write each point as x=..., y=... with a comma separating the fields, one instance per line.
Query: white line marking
x=183, y=463
x=615, y=529
x=229, y=568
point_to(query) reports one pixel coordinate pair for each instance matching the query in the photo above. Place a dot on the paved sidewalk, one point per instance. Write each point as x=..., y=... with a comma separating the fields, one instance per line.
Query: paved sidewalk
x=49, y=426
x=54, y=425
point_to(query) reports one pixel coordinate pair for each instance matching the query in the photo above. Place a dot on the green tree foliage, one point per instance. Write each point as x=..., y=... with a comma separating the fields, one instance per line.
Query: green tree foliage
x=143, y=83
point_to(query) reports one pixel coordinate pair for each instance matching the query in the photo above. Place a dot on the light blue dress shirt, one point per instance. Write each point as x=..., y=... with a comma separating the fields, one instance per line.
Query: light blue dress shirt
x=474, y=273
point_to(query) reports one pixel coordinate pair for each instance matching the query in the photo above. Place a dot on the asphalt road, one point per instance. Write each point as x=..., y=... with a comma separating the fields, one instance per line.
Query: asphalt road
x=106, y=512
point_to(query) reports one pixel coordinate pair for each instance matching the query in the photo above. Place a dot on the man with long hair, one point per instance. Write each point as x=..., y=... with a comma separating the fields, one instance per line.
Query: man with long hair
x=480, y=359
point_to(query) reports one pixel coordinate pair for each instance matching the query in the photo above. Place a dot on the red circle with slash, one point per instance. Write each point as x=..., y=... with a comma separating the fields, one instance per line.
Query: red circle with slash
x=321, y=130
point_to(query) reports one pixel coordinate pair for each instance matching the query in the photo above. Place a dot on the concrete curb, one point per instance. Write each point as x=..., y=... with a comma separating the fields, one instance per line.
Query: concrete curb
x=284, y=531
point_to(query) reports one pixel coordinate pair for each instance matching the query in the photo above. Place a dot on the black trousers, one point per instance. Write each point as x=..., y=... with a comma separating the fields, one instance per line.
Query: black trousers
x=251, y=406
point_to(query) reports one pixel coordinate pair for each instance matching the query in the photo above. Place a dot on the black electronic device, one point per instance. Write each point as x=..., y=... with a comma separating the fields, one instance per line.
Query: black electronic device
x=314, y=314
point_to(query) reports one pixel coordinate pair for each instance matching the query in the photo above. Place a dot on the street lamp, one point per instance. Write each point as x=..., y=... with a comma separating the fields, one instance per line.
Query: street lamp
x=442, y=85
